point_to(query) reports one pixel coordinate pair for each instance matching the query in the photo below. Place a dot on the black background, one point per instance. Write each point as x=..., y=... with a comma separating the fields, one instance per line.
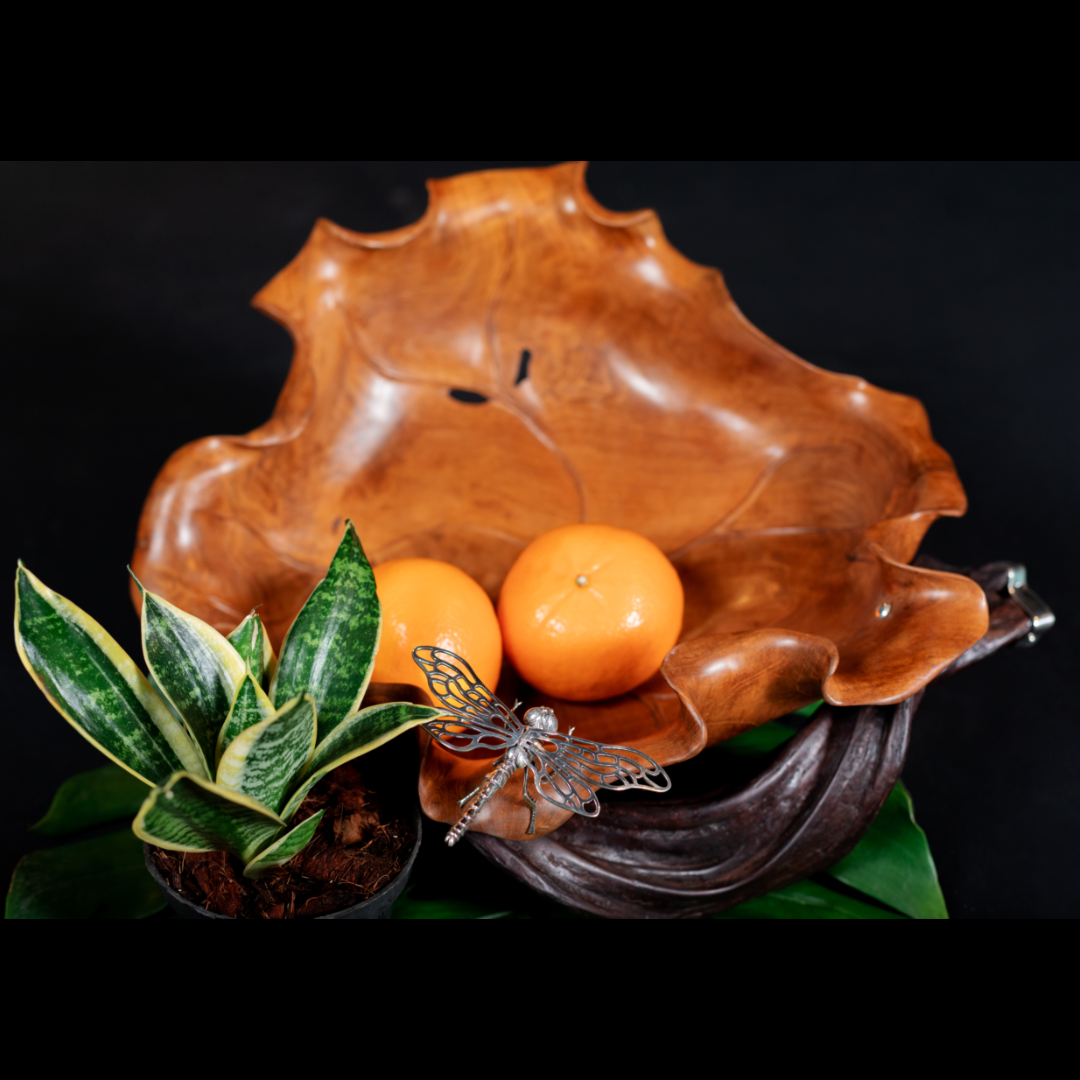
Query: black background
x=125, y=332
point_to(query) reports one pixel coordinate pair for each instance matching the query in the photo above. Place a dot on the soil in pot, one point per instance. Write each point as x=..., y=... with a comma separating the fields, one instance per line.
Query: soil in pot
x=359, y=847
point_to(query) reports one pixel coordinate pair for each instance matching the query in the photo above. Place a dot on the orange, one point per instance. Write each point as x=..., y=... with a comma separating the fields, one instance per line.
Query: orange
x=590, y=611
x=427, y=602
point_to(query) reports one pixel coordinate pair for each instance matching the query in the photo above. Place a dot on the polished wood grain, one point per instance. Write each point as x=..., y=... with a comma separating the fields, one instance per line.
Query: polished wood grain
x=521, y=358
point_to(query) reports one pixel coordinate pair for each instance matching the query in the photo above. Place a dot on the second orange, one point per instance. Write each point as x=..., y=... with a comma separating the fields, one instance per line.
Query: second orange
x=427, y=602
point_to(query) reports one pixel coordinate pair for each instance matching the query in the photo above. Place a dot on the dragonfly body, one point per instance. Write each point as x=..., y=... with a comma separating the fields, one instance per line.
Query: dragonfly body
x=562, y=769
x=495, y=782
x=518, y=755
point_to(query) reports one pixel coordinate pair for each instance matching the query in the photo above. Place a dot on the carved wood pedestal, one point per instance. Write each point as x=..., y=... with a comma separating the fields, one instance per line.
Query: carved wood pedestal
x=692, y=857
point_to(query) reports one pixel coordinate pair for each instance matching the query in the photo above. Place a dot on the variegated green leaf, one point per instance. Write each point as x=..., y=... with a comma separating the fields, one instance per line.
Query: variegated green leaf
x=189, y=814
x=95, y=685
x=288, y=847
x=250, y=640
x=194, y=666
x=330, y=648
x=264, y=761
x=250, y=707
x=358, y=734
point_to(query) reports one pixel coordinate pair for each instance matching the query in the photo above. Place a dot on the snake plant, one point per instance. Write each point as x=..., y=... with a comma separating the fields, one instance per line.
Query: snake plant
x=229, y=738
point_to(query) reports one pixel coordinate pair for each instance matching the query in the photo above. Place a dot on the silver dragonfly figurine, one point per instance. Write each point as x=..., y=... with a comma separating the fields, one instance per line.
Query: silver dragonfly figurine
x=564, y=770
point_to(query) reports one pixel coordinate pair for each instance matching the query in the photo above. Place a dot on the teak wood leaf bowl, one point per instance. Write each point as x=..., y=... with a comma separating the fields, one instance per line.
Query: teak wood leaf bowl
x=521, y=358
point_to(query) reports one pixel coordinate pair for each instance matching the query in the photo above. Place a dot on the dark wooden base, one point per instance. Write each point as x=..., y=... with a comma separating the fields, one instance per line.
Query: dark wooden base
x=698, y=855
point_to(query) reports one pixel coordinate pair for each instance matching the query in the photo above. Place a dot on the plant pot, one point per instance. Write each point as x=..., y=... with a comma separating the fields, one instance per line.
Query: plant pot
x=378, y=906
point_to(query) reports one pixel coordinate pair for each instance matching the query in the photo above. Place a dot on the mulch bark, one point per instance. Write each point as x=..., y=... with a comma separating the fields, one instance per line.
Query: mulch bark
x=357, y=849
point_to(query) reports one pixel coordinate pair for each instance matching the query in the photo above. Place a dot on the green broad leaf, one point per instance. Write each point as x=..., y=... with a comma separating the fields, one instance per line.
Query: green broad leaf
x=893, y=864
x=103, y=878
x=766, y=737
x=250, y=707
x=358, y=734
x=806, y=900
x=759, y=740
x=190, y=814
x=95, y=686
x=250, y=640
x=330, y=648
x=265, y=761
x=407, y=908
x=92, y=798
x=288, y=847
x=195, y=667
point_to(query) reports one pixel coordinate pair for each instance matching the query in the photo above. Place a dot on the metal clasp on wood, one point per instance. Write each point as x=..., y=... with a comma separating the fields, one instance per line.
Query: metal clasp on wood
x=1036, y=609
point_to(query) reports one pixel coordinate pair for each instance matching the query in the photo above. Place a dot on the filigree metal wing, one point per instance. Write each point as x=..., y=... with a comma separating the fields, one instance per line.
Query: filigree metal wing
x=561, y=786
x=568, y=774
x=617, y=768
x=482, y=721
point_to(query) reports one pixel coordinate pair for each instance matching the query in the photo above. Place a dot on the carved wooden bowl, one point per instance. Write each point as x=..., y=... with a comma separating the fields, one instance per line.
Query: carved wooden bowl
x=521, y=358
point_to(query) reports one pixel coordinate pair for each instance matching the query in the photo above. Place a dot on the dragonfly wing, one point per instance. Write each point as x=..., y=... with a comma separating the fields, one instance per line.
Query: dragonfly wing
x=482, y=721
x=459, y=691
x=562, y=787
x=466, y=734
x=617, y=768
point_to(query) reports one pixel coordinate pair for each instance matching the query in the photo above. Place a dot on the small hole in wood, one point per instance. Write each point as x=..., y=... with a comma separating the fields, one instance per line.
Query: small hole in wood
x=468, y=397
x=523, y=369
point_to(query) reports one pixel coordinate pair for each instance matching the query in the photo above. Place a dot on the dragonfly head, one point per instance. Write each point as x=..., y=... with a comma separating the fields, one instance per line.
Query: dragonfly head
x=541, y=719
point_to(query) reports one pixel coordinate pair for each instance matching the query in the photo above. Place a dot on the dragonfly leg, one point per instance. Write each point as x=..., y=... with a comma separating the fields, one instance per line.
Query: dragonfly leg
x=525, y=795
x=462, y=802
